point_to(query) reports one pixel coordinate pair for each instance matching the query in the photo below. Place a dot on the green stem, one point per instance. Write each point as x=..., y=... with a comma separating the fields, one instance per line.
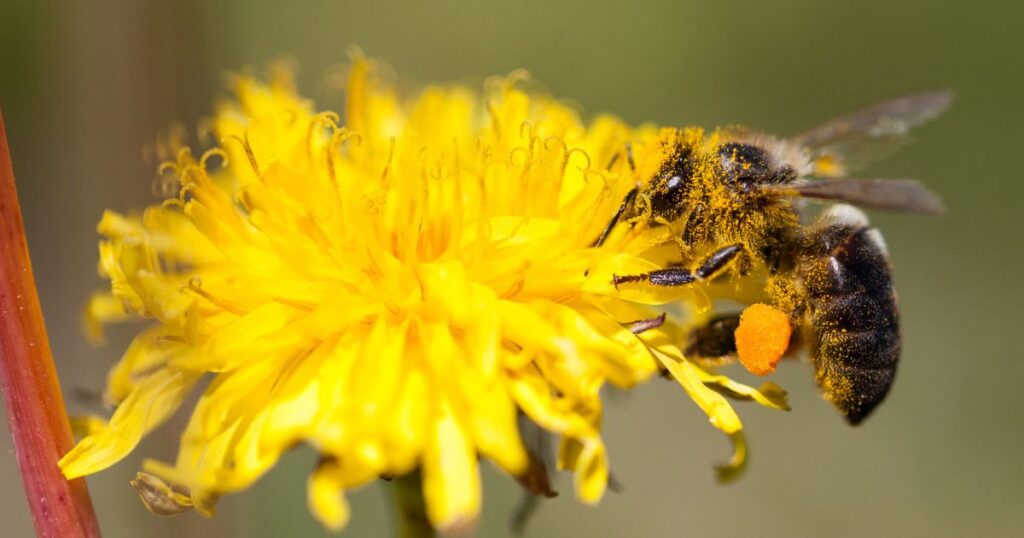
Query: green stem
x=28, y=379
x=407, y=491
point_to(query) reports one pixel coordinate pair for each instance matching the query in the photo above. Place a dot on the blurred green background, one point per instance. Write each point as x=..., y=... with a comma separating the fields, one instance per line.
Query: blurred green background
x=84, y=85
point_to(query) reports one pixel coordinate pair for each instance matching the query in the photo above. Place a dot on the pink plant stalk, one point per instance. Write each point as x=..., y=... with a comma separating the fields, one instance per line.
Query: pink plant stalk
x=35, y=407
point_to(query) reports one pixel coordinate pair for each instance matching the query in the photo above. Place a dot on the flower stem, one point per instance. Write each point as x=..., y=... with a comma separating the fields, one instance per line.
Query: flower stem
x=412, y=512
x=35, y=407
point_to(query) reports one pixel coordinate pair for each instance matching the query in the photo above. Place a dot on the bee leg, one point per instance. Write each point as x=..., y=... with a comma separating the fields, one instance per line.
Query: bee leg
x=639, y=326
x=627, y=203
x=629, y=158
x=709, y=267
x=672, y=276
x=718, y=259
x=714, y=340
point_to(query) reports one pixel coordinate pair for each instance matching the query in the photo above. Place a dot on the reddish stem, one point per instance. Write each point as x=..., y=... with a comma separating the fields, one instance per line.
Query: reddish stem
x=35, y=408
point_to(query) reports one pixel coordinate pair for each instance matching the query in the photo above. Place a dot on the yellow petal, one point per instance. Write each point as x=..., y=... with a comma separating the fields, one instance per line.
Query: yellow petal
x=717, y=408
x=587, y=459
x=82, y=426
x=258, y=333
x=326, y=497
x=148, y=406
x=768, y=395
x=732, y=469
x=492, y=421
x=451, y=480
x=101, y=309
x=149, y=350
x=536, y=400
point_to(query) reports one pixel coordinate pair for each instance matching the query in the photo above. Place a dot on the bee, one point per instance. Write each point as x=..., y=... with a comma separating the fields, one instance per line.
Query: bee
x=733, y=201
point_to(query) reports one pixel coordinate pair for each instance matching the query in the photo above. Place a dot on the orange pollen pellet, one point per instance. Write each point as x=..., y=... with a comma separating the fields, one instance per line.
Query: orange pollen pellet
x=762, y=337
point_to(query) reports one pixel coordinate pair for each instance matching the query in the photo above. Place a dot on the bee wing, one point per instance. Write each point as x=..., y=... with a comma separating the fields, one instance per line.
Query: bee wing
x=907, y=195
x=853, y=139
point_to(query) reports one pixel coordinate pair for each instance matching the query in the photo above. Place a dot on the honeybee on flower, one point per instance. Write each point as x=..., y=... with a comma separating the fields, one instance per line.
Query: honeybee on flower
x=394, y=286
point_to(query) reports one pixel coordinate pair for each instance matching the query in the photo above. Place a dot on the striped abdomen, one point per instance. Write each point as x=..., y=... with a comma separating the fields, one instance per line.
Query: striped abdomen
x=850, y=311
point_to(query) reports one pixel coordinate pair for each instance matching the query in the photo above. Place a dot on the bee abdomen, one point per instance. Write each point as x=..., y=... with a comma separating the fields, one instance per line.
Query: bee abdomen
x=851, y=311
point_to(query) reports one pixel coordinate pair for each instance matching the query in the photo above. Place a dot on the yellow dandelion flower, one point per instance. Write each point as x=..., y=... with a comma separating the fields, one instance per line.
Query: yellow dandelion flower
x=392, y=291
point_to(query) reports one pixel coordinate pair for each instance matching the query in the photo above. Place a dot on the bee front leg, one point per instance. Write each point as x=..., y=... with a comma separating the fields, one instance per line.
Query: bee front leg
x=708, y=268
x=627, y=204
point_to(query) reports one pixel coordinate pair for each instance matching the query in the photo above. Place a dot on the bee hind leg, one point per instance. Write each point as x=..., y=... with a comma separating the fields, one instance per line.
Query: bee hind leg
x=715, y=340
